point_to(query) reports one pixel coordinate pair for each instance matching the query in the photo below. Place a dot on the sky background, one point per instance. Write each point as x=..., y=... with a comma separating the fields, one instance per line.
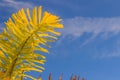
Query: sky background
x=90, y=42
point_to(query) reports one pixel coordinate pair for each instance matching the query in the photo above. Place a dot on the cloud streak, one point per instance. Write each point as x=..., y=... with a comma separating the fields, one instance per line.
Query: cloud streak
x=79, y=25
x=15, y=4
x=102, y=27
x=109, y=54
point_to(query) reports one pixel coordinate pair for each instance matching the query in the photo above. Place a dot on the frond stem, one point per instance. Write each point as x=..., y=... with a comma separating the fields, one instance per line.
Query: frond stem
x=15, y=60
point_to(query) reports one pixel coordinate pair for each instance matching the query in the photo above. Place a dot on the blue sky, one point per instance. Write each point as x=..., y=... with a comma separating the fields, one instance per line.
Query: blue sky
x=90, y=42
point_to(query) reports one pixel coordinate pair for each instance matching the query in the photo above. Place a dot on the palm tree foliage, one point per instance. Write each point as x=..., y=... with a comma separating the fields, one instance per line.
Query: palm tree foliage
x=24, y=35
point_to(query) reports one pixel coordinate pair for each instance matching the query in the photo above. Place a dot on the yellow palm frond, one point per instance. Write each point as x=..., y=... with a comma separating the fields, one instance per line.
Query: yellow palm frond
x=21, y=40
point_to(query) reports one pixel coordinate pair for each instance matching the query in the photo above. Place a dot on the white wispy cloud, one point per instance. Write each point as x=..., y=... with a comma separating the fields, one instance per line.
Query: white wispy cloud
x=77, y=26
x=15, y=4
x=108, y=53
x=105, y=27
